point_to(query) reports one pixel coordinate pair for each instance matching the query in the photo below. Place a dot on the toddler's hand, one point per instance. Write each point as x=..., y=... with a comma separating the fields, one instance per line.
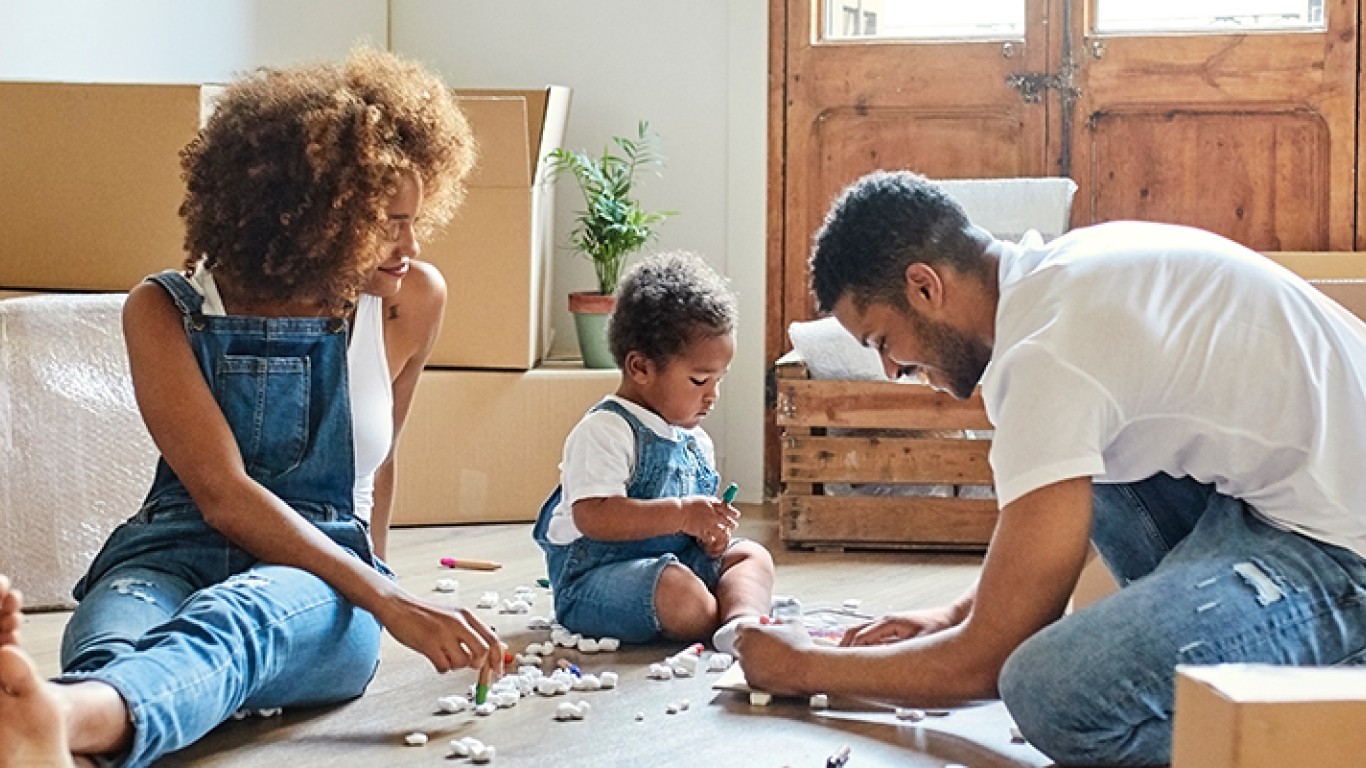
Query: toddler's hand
x=710, y=521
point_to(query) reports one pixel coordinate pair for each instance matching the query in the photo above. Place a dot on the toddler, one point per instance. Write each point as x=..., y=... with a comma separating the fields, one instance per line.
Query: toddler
x=637, y=544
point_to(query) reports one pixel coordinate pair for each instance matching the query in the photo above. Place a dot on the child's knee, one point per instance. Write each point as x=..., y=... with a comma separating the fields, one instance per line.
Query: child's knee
x=751, y=554
x=686, y=608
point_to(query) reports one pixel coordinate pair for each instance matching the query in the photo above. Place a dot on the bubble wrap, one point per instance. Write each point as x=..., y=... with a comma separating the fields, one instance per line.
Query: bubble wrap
x=75, y=458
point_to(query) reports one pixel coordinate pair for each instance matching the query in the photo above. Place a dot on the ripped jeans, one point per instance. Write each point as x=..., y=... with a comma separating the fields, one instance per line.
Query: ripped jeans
x=1205, y=581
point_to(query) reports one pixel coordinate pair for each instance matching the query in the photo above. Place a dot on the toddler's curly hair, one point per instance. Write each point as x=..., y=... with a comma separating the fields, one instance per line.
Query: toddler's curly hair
x=288, y=182
x=667, y=301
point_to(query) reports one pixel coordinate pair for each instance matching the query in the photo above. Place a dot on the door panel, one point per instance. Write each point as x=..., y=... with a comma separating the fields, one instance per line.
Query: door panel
x=1257, y=177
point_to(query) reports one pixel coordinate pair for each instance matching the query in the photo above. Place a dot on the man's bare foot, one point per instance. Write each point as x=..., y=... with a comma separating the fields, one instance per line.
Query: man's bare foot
x=10, y=617
x=32, y=723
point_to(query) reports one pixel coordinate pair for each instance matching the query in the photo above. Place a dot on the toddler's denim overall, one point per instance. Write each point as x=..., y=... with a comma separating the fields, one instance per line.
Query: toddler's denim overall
x=1205, y=581
x=606, y=588
x=189, y=628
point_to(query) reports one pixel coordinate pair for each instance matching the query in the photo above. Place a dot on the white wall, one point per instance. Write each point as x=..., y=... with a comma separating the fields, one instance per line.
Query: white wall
x=174, y=41
x=697, y=71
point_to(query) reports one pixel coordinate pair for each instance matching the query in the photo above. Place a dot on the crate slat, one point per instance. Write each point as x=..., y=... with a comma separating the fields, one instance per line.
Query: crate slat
x=874, y=404
x=858, y=459
x=878, y=522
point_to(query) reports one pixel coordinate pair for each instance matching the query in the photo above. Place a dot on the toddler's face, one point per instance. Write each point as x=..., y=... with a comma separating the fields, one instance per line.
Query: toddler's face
x=687, y=387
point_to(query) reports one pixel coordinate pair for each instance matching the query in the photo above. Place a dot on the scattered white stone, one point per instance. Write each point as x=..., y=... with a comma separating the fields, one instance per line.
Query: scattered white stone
x=485, y=709
x=588, y=645
x=720, y=662
x=671, y=708
x=684, y=664
x=760, y=699
x=908, y=713
x=269, y=712
x=609, y=679
x=488, y=600
x=640, y=716
x=537, y=622
x=484, y=755
x=820, y=701
x=505, y=699
x=683, y=705
x=661, y=672
x=459, y=748
x=587, y=683
x=451, y=704
x=529, y=671
x=608, y=644
x=569, y=711
x=447, y=585
x=528, y=660
x=415, y=739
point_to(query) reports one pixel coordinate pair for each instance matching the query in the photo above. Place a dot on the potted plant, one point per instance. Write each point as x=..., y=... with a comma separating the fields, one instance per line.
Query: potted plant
x=611, y=227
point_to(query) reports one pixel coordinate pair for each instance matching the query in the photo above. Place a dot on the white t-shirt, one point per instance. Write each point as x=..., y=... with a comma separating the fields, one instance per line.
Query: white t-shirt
x=372, y=394
x=600, y=458
x=1127, y=349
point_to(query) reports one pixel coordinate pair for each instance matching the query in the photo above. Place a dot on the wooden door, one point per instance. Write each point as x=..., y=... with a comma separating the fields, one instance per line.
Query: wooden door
x=1251, y=134
x=1248, y=134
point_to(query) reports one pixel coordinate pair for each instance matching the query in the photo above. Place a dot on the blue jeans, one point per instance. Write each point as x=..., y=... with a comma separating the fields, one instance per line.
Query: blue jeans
x=189, y=628
x=1205, y=581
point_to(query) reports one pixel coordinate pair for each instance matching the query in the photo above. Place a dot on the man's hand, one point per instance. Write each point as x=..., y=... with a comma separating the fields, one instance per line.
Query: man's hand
x=895, y=627
x=775, y=658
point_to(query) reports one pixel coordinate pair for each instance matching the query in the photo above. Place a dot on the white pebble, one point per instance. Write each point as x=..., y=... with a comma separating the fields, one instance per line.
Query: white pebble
x=415, y=739
x=720, y=662
x=459, y=748
x=484, y=755
x=683, y=705
x=609, y=679
x=907, y=713
x=588, y=645
x=760, y=699
x=820, y=701
x=640, y=716
x=447, y=585
x=488, y=600
x=485, y=709
x=608, y=644
x=538, y=622
x=269, y=712
x=568, y=711
x=661, y=672
x=684, y=664
x=671, y=708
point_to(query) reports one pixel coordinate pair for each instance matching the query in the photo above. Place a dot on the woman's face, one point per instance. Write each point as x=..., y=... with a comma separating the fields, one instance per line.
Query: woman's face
x=398, y=243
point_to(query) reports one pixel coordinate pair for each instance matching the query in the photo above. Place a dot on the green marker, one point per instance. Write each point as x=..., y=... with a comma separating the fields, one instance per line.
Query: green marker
x=729, y=495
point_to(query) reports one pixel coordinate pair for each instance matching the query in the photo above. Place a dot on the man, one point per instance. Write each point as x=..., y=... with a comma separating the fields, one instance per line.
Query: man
x=1196, y=411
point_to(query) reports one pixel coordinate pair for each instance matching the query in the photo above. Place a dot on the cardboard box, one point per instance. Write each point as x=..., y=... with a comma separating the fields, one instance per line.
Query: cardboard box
x=1258, y=716
x=497, y=252
x=1340, y=275
x=92, y=182
x=485, y=446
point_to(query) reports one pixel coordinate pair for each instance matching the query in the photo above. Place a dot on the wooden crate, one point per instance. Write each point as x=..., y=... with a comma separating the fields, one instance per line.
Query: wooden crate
x=883, y=433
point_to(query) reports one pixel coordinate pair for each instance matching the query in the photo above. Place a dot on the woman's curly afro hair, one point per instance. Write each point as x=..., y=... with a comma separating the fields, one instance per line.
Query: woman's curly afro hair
x=288, y=182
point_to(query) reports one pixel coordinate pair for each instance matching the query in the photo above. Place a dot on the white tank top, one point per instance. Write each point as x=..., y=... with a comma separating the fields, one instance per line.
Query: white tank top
x=372, y=394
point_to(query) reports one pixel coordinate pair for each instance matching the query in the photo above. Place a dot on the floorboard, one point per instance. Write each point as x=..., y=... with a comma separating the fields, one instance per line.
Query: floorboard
x=627, y=726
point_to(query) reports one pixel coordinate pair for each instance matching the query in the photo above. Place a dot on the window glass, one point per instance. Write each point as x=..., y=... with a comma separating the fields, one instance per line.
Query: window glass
x=924, y=20
x=1207, y=15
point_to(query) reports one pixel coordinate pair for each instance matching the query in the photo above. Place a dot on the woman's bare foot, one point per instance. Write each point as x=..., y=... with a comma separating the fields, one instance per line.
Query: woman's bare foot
x=32, y=720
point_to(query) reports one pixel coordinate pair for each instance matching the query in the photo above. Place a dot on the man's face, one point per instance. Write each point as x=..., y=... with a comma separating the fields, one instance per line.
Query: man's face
x=912, y=345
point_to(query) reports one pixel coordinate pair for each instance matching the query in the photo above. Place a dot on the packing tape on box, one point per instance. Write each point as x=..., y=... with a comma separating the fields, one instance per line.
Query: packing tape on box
x=77, y=458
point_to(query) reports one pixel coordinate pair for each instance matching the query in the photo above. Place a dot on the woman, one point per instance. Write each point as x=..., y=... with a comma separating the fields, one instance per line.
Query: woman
x=274, y=375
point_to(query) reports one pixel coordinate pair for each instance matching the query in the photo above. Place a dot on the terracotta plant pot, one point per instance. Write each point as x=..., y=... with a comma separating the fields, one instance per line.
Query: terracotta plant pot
x=591, y=310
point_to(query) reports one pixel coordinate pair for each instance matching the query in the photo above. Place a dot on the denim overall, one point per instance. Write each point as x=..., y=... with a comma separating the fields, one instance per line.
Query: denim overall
x=1205, y=581
x=189, y=628
x=606, y=588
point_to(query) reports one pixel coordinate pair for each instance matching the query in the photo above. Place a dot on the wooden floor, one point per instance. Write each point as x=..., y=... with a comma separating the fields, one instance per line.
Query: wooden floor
x=717, y=730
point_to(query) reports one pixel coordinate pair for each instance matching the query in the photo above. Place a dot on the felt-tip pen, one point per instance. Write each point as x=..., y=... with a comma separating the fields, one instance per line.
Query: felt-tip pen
x=470, y=565
x=729, y=495
x=838, y=759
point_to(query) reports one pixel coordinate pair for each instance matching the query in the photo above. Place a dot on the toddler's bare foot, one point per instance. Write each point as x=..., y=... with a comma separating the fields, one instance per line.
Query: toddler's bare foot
x=32, y=730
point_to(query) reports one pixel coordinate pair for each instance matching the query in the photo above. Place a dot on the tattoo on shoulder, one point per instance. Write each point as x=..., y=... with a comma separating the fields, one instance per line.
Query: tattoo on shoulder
x=393, y=312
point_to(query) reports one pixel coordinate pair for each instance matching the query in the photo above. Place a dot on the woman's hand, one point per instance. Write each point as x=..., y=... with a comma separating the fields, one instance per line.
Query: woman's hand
x=450, y=638
x=895, y=627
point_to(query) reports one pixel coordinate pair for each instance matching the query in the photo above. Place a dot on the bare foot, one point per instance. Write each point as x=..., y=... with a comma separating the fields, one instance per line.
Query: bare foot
x=10, y=617
x=32, y=730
